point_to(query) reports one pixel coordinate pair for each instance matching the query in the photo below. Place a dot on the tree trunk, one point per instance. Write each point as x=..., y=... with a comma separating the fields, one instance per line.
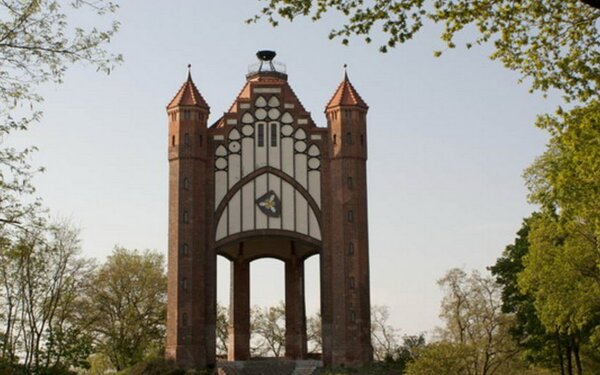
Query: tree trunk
x=560, y=354
x=569, y=360
x=576, y=352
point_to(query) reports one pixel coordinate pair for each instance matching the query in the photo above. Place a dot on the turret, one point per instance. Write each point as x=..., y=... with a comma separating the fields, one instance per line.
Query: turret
x=346, y=119
x=188, y=116
x=190, y=259
x=346, y=254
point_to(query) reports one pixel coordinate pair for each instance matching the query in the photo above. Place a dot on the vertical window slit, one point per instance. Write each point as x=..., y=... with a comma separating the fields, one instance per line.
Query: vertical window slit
x=261, y=135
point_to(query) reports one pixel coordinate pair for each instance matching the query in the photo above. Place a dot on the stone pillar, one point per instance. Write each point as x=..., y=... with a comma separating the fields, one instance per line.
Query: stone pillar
x=295, y=312
x=239, y=313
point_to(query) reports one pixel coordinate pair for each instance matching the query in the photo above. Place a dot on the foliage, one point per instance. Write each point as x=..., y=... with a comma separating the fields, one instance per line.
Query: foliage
x=443, y=358
x=128, y=289
x=154, y=366
x=471, y=310
x=562, y=269
x=38, y=42
x=42, y=277
x=554, y=43
x=540, y=346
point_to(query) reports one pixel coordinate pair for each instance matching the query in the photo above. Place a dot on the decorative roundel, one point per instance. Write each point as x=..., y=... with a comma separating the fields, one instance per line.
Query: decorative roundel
x=314, y=163
x=234, y=135
x=274, y=113
x=260, y=102
x=221, y=151
x=247, y=130
x=300, y=146
x=247, y=118
x=234, y=146
x=314, y=150
x=287, y=130
x=300, y=134
x=273, y=101
x=287, y=118
x=260, y=114
x=221, y=163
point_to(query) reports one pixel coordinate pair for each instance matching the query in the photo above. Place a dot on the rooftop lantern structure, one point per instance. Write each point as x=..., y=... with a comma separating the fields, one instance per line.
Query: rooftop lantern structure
x=267, y=65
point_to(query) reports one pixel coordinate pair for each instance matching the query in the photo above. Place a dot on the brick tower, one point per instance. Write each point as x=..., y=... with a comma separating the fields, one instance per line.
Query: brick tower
x=345, y=257
x=265, y=181
x=192, y=261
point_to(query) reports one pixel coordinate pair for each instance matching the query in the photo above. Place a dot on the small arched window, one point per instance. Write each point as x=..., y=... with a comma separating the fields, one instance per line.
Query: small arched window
x=351, y=248
x=184, y=283
x=351, y=283
x=186, y=183
x=184, y=249
x=335, y=139
x=173, y=140
x=362, y=139
x=186, y=217
x=349, y=138
x=186, y=139
x=350, y=182
x=350, y=216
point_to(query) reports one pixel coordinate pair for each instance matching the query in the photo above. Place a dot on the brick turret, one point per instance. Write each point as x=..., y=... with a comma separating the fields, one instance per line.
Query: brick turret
x=191, y=298
x=346, y=320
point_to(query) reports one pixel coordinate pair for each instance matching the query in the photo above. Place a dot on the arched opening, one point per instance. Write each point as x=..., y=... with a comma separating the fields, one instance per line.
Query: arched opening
x=267, y=301
x=266, y=314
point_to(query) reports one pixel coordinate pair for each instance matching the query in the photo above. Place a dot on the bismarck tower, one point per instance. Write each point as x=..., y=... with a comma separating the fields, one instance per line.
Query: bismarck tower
x=265, y=181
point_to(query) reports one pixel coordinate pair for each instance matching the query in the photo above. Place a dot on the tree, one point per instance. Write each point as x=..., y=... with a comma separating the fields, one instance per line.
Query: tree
x=471, y=309
x=127, y=306
x=553, y=43
x=562, y=268
x=37, y=44
x=222, y=331
x=383, y=336
x=314, y=333
x=268, y=328
x=42, y=277
x=539, y=346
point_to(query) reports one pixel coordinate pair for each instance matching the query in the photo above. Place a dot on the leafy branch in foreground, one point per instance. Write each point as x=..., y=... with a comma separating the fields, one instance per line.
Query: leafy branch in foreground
x=39, y=40
x=553, y=43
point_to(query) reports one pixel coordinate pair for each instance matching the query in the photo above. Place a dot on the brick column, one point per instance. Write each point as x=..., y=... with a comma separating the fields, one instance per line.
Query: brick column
x=295, y=314
x=239, y=311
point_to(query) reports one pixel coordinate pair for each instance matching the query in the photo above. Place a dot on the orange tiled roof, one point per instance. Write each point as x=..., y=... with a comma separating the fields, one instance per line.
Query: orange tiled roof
x=346, y=95
x=188, y=95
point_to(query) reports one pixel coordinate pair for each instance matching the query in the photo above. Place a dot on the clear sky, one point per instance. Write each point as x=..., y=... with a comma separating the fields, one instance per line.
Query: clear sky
x=448, y=141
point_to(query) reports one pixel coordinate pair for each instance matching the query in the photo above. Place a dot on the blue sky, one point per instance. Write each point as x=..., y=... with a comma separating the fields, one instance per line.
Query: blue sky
x=448, y=141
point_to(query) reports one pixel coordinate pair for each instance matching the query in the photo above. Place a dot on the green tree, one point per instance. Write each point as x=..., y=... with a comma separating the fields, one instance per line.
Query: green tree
x=42, y=277
x=553, y=43
x=471, y=310
x=562, y=269
x=127, y=306
x=538, y=346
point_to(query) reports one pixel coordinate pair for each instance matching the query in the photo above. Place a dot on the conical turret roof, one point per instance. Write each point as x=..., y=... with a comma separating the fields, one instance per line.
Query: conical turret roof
x=346, y=95
x=188, y=95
